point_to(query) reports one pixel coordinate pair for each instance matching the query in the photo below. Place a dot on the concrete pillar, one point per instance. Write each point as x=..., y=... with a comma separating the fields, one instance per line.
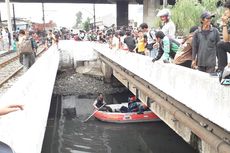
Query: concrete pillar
x=150, y=11
x=107, y=72
x=66, y=60
x=7, y=2
x=122, y=13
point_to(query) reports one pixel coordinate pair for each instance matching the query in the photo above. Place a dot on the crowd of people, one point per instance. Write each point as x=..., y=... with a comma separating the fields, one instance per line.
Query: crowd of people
x=203, y=49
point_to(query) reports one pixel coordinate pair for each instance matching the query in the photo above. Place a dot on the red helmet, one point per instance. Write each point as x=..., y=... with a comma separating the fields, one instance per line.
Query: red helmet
x=132, y=98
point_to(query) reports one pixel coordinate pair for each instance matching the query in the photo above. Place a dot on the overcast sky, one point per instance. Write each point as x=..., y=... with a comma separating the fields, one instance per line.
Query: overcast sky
x=64, y=14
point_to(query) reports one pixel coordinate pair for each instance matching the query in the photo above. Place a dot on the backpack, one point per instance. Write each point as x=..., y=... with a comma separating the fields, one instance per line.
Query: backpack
x=26, y=46
x=152, y=36
x=124, y=109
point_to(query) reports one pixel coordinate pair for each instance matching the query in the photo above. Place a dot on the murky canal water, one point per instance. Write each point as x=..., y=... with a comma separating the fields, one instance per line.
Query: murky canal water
x=66, y=133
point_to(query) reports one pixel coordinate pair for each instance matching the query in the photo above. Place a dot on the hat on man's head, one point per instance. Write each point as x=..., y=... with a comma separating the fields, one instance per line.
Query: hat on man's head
x=164, y=12
x=206, y=15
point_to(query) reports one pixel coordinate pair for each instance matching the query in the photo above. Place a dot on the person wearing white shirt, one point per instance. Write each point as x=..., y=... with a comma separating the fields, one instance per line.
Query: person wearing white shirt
x=169, y=28
x=116, y=41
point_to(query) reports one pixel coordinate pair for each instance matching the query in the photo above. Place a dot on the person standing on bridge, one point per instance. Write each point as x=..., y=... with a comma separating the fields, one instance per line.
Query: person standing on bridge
x=130, y=41
x=204, y=44
x=50, y=39
x=26, y=50
x=168, y=27
x=141, y=43
x=151, y=40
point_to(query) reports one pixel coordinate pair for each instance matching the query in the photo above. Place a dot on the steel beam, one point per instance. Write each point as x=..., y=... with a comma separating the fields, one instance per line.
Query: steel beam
x=77, y=1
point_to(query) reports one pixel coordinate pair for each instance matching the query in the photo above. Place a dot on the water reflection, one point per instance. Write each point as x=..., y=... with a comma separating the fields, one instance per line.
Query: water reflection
x=74, y=136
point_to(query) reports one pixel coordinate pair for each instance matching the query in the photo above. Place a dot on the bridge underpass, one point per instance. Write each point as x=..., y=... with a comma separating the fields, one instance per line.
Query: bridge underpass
x=179, y=96
x=191, y=102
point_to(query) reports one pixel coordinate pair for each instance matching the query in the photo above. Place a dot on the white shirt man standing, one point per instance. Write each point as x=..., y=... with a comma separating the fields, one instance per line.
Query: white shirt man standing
x=169, y=28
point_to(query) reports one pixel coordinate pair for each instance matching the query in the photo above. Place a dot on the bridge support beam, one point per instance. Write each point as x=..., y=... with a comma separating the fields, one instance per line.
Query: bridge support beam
x=122, y=13
x=149, y=11
x=107, y=72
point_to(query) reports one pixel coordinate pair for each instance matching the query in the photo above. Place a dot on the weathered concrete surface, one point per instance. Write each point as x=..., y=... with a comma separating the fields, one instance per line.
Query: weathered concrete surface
x=107, y=72
x=71, y=52
x=91, y=68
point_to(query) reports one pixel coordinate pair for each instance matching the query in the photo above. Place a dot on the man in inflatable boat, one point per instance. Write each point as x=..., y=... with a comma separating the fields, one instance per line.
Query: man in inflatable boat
x=134, y=106
x=99, y=103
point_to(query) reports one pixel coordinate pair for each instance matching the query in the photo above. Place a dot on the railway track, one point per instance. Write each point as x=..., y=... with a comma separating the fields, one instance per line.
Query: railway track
x=9, y=70
x=8, y=58
x=10, y=66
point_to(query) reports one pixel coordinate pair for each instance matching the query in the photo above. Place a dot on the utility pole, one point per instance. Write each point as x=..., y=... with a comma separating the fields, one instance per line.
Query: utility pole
x=7, y=2
x=94, y=17
x=15, y=27
x=0, y=18
x=43, y=16
x=165, y=2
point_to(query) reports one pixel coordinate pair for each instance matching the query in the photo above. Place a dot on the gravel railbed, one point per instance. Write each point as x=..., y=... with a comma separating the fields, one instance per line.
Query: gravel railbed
x=71, y=83
x=9, y=69
x=8, y=56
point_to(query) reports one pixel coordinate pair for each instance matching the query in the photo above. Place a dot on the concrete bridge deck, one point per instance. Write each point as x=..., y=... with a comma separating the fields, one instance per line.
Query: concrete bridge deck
x=193, y=89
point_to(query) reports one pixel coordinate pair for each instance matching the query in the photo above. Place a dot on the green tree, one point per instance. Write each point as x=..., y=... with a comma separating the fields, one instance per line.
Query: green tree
x=185, y=14
x=86, y=24
x=78, y=19
x=209, y=4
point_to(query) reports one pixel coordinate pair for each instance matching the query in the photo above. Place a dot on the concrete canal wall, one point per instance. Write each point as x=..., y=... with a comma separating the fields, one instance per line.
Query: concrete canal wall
x=24, y=130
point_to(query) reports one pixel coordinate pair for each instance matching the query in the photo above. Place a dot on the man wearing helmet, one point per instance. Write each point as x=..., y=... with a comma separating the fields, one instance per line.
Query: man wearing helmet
x=168, y=28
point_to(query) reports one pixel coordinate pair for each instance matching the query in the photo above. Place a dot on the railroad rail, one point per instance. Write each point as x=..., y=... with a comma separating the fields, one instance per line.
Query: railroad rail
x=10, y=65
x=6, y=53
